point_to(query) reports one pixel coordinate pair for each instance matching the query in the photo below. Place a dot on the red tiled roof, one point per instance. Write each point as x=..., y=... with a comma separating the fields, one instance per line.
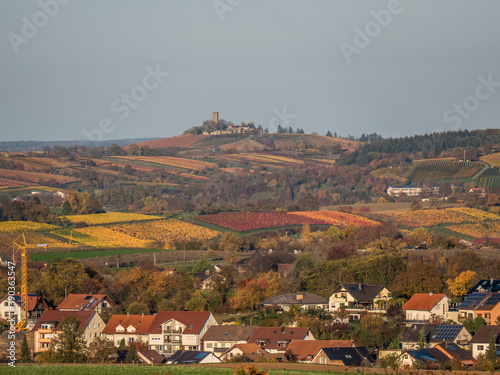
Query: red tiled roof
x=79, y=301
x=57, y=316
x=32, y=300
x=301, y=349
x=273, y=335
x=423, y=301
x=194, y=320
x=139, y=322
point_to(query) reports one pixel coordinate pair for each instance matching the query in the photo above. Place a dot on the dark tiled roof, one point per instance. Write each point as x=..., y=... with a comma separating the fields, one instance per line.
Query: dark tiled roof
x=302, y=349
x=482, y=335
x=486, y=286
x=348, y=356
x=362, y=292
x=151, y=355
x=300, y=298
x=228, y=333
x=56, y=316
x=413, y=333
x=187, y=356
x=455, y=352
x=489, y=303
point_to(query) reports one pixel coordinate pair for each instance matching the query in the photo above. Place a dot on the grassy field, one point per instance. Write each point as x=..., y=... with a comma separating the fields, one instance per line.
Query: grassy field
x=147, y=370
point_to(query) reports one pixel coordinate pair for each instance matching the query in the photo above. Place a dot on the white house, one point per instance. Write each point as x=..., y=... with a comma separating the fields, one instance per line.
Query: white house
x=421, y=306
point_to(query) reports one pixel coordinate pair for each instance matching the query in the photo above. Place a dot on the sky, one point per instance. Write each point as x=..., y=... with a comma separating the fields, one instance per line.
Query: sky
x=114, y=69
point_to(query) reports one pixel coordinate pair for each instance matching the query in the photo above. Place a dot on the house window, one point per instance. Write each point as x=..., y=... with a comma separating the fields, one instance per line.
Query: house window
x=480, y=347
x=479, y=315
x=6, y=303
x=209, y=345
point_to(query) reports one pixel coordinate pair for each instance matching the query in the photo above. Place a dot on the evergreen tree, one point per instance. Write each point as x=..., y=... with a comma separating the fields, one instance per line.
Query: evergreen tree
x=132, y=355
x=66, y=208
x=491, y=353
x=329, y=133
x=69, y=344
x=25, y=351
x=421, y=339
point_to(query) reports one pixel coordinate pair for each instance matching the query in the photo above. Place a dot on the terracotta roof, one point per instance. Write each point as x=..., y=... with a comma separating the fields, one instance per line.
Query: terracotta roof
x=139, y=322
x=302, y=349
x=272, y=335
x=423, y=301
x=32, y=300
x=194, y=320
x=362, y=292
x=300, y=298
x=254, y=352
x=57, y=316
x=228, y=333
x=482, y=335
x=84, y=302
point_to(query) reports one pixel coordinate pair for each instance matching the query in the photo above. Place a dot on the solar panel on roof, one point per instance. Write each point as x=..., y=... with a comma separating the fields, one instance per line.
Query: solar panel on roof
x=445, y=332
x=495, y=298
x=200, y=355
x=471, y=300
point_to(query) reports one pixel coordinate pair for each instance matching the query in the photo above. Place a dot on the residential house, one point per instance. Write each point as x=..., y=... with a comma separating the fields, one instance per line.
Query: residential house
x=86, y=302
x=171, y=331
x=344, y=357
x=305, y=350
x=486, y=286
x=421, y=306
x=252, y=352
x=411, y=190
x=129, y=328
x=489, y=309
x=48, y=326
x=359, y=298
x=481, y=340
x=219, y=338
x=276, y=340
x=436, y=334
x=467, y=307
x=11, y=308
x=441, y=354
x=150, y=357
x=185, y=357
x=304, y=300
x=456, y=353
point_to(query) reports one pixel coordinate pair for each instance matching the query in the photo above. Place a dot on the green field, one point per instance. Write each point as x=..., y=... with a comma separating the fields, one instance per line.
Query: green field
x=143, y=370
x=51, y=257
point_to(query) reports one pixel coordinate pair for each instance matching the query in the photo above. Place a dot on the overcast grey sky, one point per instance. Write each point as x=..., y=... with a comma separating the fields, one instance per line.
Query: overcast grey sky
x=73, y=69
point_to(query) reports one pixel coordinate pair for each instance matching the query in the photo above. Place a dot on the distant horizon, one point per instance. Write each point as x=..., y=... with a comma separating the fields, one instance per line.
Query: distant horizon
x=341, y=136
x=92, y=70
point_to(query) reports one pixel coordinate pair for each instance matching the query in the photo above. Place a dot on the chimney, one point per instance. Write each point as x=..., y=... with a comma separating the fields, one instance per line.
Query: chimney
x=430, y=293
x=128, y=314
x=360, y=286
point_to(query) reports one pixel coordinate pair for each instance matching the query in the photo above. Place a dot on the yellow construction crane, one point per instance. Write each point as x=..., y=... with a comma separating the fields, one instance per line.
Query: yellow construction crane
x=20, y=247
